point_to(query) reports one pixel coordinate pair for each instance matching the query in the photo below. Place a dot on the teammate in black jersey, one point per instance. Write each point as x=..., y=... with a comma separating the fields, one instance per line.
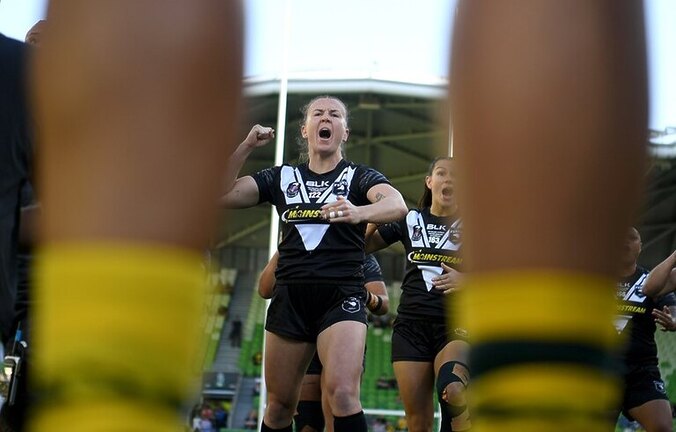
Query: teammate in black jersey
x=324, y=206
x=644, y=300
x=309, y=416
x=424, y=348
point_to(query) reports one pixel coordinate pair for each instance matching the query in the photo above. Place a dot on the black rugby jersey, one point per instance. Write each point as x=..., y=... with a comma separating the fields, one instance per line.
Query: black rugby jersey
x=15, y=162
x=635, y=321
x=372, y=272
x=312, y=249
x=429, y=240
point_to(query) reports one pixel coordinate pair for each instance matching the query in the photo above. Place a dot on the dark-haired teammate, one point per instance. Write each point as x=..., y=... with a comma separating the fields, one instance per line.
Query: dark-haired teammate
x=324, y=206
x=645, y=300
x=310, y=417
x=424, y=347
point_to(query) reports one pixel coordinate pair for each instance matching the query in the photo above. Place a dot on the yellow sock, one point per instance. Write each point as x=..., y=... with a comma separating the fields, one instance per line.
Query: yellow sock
x=541, y=351
x=115, y=332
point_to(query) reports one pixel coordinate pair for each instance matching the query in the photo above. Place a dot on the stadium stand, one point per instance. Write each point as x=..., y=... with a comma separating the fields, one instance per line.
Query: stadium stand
x=218, y=300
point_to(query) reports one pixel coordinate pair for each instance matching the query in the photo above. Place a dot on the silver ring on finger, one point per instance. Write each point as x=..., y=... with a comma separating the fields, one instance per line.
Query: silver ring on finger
x=340, y=213
x=332, y=214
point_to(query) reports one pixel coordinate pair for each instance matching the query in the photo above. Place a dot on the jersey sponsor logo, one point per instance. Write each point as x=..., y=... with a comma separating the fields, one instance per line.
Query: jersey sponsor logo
x=293, y=190
x=423, y=257
x=351, y=305
x=417, y=233
x=302, y=214
x=659, y=386
x=317, y=184
x=631, y=308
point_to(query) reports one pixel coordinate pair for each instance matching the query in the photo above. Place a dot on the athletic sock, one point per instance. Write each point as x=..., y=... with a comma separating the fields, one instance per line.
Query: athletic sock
x=352, y=423
x=266, y=428
x=541, y=351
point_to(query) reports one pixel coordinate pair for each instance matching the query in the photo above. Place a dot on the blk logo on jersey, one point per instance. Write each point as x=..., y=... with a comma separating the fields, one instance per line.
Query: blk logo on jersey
x=340, y=187
x=352, y=305
x=631, y=308
x=293, y=190
x=435, y=233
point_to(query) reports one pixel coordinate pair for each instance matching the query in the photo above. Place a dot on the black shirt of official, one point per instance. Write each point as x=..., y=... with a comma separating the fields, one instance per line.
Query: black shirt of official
x=15, y=155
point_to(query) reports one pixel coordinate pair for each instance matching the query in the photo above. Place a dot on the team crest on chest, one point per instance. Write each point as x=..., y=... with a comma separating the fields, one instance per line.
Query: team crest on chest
x=417, y=233
x=293, y=190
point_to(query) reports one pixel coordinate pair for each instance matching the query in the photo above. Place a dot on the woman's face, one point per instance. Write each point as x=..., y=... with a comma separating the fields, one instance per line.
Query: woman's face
x=325, y=127
x=442, y=183
x=632, y=246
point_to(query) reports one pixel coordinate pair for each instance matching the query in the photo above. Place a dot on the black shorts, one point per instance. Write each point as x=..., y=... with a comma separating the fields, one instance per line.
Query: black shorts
x=302, y=311
x=642, y=384
x=420, y=340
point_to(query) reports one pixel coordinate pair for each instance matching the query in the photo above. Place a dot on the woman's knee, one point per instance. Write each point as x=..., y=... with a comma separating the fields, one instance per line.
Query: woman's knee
x=279, y=411
x=455, y=393
x=343, y=397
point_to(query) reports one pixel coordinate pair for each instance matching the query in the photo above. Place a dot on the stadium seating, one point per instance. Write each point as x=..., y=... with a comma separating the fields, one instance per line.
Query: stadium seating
x=216, y=305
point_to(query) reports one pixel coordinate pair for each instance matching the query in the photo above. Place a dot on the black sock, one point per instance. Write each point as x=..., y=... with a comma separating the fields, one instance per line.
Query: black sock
x=266, y=428
x=352, y=423
x=309, y=414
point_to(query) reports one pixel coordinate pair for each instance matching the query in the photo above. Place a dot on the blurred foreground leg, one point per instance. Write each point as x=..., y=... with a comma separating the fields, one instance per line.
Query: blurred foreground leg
x=137, y=105
x=550, y=121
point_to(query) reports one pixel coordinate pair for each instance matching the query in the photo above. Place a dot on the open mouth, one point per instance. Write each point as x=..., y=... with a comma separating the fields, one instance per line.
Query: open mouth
x=447, y=192
x=325, y=133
